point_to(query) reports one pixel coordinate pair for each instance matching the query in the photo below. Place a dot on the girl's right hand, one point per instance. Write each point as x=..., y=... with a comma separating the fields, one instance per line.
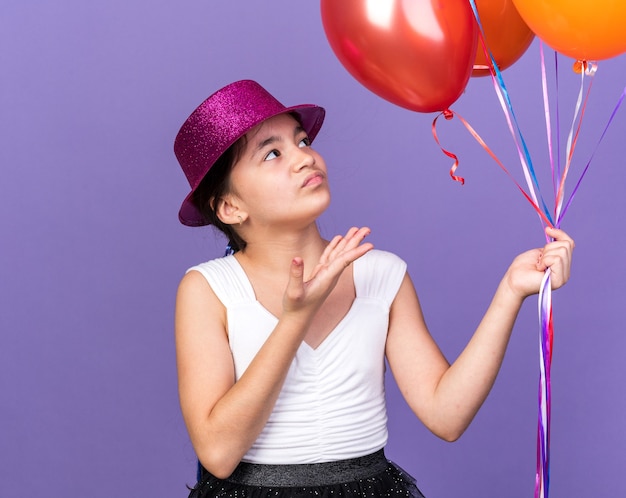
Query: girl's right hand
x=338, y=255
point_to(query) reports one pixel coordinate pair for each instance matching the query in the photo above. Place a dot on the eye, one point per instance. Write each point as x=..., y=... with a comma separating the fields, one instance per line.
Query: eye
x=273, y=154
x=305, y=142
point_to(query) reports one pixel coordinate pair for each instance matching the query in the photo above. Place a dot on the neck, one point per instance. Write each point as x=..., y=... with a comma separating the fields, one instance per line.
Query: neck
x=273, y=252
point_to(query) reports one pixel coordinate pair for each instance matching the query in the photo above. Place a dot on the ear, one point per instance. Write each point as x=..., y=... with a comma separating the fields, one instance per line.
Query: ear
x=228, y=209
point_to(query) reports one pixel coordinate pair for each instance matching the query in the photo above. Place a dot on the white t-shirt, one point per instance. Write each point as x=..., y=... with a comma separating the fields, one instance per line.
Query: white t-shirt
x=332, y=404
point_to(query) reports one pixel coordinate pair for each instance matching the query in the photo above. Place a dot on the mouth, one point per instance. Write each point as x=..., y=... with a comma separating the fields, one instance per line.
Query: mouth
x=313, y=179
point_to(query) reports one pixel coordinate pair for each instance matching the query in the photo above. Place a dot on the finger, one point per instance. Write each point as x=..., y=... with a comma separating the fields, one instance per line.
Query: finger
x=295, y=285
x=560, y=235
x=557, y=257
x=339, y=244
x=352, y=239
x=348, y=253
x=356, y=237
x=559, y=275
x=337, y=248
x=345, y=240
x=561, y=249
x=349, y=256
x=332, y=245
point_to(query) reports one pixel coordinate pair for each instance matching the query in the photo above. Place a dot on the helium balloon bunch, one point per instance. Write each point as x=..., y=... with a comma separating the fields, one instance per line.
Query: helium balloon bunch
x=421, y=54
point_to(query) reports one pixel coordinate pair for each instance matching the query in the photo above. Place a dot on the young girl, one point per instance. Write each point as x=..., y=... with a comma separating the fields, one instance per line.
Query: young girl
x=281, y=344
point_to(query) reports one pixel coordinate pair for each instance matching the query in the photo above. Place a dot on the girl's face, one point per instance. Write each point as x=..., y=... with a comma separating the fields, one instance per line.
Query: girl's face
x=279, y=178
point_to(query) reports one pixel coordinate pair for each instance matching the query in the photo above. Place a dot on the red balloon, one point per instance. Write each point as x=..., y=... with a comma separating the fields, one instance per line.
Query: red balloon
x=417, y=54
x=506, y=35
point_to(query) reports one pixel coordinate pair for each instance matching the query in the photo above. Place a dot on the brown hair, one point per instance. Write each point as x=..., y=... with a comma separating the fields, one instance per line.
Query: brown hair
x=214, y=186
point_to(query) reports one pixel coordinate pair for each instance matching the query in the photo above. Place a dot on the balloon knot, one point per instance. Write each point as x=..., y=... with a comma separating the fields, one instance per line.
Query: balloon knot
x=589, y=67
x=448, y=114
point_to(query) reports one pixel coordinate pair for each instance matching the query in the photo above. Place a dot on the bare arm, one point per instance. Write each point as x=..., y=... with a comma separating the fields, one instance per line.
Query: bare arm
x=225, y=417
x=447, y=397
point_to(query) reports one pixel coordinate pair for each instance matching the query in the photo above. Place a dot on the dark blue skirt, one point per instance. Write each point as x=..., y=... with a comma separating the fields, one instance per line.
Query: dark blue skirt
x=371, y=476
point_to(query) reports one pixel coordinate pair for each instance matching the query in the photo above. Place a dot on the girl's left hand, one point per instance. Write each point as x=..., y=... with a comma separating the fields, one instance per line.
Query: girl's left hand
x=526, y=272
x=337, y=256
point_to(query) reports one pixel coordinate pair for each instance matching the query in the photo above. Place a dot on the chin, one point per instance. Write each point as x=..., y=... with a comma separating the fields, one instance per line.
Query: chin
x=324, y=204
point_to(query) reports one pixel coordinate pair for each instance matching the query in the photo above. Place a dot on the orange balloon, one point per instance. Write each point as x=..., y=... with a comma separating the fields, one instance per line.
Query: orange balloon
x=583, y=29
x=507, y=36
x=417, y=54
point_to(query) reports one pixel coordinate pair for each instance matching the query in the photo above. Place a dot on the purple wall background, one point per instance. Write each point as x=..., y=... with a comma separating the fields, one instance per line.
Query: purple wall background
x=92, y=94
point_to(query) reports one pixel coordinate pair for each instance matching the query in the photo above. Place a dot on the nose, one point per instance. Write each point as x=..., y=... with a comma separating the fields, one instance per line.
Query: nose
x=303, y=158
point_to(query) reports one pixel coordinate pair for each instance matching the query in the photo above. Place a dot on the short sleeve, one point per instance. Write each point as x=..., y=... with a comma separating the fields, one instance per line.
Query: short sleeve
x=227, y=279
x=379, y=274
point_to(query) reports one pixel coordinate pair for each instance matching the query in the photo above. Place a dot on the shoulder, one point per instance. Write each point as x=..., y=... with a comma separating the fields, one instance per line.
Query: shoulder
x=192, y=281
x=201, y=282
x=215, y=266
x=197, y=304
x=383, y=260
x=379, y=274
x=217, y=272
x=225, y=277
x=194, y=289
